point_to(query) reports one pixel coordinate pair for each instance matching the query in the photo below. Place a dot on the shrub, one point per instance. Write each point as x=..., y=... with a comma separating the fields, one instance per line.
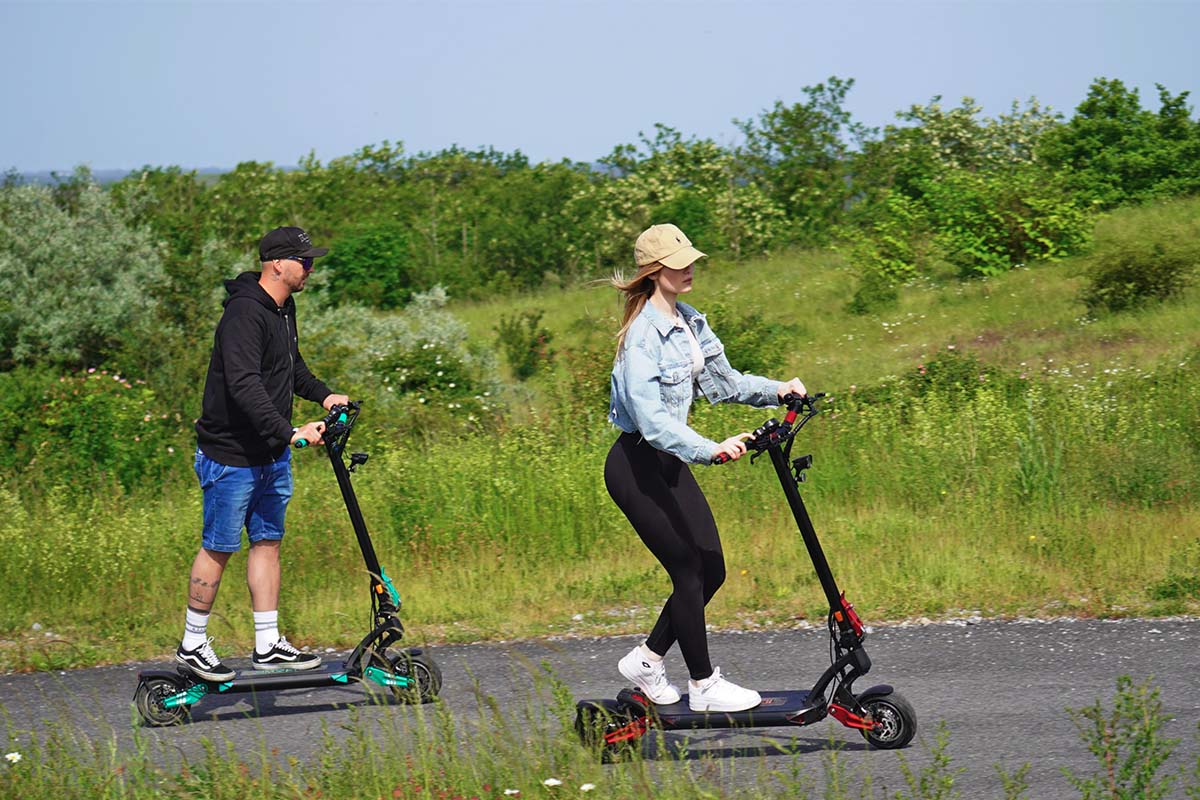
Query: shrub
x=414, y=367
x=526, y=345
x=587, y=380
x=92, y=423
x=107, y=299
x=1129, y=743
x=369, y=266
x=752, y=344
x=987, y=224
x=875, y=293
x=890, y=250
x=1144, y=256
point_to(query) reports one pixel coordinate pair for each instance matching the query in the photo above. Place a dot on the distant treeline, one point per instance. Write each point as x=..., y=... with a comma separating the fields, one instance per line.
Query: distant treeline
x=123, y=275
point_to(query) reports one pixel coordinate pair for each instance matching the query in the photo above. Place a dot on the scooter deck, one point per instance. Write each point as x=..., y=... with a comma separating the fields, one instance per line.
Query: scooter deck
x=245, y=680
x=776, y=708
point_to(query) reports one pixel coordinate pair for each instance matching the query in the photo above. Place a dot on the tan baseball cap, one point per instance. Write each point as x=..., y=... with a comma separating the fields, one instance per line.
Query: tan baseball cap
x=666, y=244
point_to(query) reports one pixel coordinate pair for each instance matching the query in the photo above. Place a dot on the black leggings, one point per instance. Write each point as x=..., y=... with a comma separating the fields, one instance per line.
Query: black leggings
x=669, y=512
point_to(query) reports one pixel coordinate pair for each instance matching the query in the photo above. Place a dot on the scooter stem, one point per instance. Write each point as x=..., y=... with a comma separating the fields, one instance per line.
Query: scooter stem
x=809, y=534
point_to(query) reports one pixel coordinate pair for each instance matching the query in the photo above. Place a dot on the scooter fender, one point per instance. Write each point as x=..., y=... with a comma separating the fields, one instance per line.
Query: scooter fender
x=879, y=690
x=633, y=701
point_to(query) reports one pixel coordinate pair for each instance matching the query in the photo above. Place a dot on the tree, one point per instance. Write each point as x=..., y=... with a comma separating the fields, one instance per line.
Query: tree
x=1117, y=152
x=800, y=156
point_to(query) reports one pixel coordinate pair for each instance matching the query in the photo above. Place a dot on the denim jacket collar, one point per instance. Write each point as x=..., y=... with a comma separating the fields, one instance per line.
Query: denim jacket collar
x=660, y=321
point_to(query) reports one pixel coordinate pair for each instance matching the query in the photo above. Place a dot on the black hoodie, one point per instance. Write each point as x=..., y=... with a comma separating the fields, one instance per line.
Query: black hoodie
x=254, y=370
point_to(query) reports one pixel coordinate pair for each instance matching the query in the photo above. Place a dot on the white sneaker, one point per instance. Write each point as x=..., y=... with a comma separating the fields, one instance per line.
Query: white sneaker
x=649, y=676
x=714, y=693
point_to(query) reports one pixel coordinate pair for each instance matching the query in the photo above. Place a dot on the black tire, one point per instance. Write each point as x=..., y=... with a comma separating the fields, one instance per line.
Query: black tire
x=596, y=718
x=149, y=697
x=422, y=670
x=896, y=717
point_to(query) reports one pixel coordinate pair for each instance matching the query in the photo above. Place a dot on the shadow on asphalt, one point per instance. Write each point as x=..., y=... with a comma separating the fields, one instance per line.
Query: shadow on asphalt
x=264, y=705
x=691, y=747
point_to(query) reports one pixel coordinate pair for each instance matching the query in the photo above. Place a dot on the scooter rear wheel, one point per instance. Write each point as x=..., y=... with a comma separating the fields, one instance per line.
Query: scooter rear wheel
x=896, y=720
x=149, y=698
x=595, y=719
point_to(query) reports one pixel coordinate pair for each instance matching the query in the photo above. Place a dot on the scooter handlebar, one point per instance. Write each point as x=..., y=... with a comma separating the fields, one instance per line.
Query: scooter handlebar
x=796, y=403
x=337, y=414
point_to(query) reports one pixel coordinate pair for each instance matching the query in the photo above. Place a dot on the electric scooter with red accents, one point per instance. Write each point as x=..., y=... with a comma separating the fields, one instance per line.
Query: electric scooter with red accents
x=883, y=717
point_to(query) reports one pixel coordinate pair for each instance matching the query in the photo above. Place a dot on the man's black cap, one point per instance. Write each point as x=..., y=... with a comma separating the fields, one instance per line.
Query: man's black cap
x=288, y=243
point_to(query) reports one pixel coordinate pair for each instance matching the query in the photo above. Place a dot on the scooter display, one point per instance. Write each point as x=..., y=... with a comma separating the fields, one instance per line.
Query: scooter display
x=166, y=697
x=883, y=717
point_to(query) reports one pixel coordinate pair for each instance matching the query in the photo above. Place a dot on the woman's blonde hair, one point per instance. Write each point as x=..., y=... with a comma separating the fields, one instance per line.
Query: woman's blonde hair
x=637, y=291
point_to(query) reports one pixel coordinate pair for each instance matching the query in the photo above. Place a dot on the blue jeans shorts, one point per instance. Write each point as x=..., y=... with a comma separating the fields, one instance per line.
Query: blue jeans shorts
x=254, y=498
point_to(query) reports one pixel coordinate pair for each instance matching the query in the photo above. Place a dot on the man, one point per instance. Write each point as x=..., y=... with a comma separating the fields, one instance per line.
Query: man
x=243, y=458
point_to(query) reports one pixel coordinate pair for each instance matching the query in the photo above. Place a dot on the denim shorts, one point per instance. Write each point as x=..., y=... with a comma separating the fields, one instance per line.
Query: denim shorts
x=254, y=498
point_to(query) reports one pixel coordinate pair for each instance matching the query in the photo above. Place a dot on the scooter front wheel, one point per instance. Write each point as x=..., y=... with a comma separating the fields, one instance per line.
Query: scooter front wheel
x=424, y=674
x=149, y=697
x=895, y=720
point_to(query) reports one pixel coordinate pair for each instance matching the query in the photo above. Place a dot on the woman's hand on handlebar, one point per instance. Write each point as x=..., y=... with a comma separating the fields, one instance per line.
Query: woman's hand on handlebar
x=312, y=433
x=731, y=449
x=794, y=386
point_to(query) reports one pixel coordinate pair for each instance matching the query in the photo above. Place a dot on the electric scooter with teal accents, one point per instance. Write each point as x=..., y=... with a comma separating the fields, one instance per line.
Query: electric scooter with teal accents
x=165, y=697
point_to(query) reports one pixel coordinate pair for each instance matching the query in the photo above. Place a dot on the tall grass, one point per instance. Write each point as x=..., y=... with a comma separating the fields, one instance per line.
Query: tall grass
x=1017, y=497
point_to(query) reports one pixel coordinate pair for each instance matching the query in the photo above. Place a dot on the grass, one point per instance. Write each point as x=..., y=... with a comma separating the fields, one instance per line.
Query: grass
x=1065, y=484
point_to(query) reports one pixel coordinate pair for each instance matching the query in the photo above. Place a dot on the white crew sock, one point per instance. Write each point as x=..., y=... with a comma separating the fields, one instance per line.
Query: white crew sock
x=195, y=629
x=649, y=654
x=266, y=630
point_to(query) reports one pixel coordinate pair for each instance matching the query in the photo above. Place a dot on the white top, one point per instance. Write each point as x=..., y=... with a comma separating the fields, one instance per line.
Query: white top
x=697, y=356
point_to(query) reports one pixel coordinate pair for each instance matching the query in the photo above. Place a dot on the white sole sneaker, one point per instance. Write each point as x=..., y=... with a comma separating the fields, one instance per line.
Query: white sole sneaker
x=649, y=677
x=717, y=694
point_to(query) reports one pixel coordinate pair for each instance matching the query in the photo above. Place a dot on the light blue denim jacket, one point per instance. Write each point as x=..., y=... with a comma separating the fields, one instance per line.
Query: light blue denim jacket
x=652, y=387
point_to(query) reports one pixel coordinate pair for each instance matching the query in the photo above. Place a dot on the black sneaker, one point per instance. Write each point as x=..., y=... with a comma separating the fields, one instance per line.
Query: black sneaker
x=204, y=662
x=283, y=655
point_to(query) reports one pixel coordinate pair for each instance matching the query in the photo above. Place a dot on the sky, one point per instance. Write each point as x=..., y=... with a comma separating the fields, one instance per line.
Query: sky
x=119, y=85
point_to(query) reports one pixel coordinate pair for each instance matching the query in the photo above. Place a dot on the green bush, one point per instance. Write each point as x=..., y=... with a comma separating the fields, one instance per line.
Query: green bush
x=369, y=266
x=47, y=317
x=525, y=343
x=875, y=293
x=1114, y=152
x=752, y=344
x=892, y=244
x=415, y=368
x=95, y=423
x=585, y=385
x=988, y=224
x=889, y=249
x=1144, y=256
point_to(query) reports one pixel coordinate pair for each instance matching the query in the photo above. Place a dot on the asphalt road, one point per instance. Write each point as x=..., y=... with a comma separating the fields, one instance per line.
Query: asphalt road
x=1000, y=687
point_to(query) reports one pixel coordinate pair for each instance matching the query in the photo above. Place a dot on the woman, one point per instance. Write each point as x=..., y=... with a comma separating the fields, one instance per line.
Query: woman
x=666, y=356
